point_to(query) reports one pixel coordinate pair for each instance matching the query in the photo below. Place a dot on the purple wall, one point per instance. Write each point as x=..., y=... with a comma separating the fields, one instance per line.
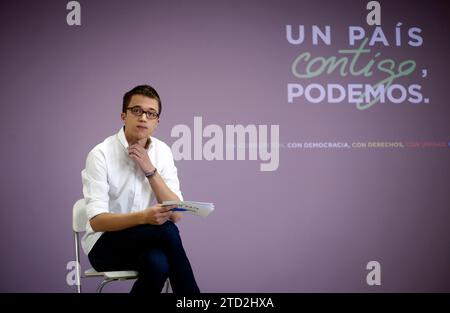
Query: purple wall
x=311, y=225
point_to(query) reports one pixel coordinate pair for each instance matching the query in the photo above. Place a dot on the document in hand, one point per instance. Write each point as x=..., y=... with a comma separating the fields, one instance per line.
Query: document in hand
x=193, y=207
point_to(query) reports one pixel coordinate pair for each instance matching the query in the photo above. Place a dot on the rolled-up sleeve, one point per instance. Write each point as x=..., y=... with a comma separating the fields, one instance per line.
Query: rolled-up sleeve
x=95, y=184
x=169, y=173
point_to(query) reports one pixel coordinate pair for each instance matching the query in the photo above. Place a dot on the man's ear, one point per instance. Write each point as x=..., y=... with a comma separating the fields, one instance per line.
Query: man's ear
x=122, y=116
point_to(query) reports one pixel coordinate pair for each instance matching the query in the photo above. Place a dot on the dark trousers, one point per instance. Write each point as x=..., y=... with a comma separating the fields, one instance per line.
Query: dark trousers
x=155, y=251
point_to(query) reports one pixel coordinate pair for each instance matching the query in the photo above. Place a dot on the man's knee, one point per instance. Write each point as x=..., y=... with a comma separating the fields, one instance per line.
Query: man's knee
x=170, y=226
x=170, y=232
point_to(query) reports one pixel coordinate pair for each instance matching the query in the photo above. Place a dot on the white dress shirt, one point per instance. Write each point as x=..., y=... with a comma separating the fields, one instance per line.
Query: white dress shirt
x=114, y=183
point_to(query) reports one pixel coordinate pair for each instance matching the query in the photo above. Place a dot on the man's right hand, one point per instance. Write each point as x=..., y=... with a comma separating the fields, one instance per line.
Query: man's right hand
x=157, y=214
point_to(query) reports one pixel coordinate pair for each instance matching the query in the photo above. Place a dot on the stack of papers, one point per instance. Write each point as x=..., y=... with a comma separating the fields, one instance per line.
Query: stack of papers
x=193, y=207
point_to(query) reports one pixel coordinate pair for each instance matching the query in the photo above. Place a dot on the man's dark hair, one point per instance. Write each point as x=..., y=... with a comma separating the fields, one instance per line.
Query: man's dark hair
x=144, y=90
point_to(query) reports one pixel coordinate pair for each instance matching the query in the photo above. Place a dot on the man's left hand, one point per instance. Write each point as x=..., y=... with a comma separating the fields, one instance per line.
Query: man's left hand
x=140, y=155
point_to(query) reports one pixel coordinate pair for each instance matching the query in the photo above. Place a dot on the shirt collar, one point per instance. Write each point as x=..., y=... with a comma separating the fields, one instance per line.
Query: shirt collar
x=124, y=142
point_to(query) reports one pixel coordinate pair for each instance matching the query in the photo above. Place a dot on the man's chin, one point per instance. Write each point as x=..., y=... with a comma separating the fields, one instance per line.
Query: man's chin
x=139, y=138
x=143, y=133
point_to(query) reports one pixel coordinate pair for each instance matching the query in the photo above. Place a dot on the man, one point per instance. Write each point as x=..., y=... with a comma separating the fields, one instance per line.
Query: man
x=123, y=175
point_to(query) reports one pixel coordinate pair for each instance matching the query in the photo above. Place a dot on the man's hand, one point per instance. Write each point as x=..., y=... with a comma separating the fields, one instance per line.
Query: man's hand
x=140, y=155
x=157, y=214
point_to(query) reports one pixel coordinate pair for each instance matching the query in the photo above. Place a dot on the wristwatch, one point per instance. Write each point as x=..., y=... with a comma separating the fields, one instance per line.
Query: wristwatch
x=151, y=174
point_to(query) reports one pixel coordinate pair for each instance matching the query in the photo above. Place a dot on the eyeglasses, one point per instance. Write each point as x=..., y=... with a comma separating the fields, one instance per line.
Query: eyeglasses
x=137, y=111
